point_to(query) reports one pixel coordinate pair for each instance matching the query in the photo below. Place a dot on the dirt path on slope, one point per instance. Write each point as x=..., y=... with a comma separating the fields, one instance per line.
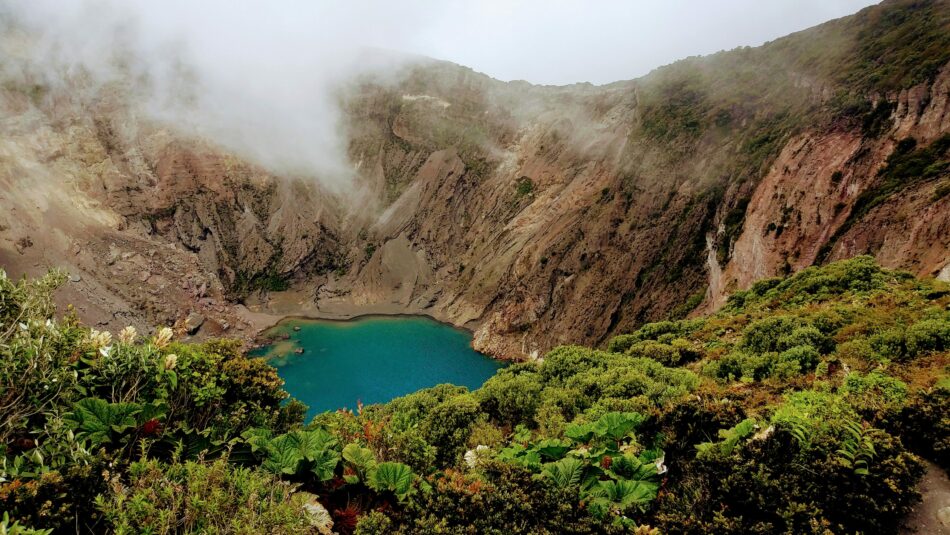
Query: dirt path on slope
x=932, y=514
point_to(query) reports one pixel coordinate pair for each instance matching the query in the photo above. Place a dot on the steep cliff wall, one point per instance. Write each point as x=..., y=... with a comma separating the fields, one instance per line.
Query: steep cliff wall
x=534, y=215
x=828, y=196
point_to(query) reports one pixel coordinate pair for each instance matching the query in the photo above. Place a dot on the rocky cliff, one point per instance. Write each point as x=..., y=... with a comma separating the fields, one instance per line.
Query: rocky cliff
x=534, y=215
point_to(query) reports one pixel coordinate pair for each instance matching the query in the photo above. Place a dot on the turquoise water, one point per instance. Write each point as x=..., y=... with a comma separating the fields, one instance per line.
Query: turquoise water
x=372, y=359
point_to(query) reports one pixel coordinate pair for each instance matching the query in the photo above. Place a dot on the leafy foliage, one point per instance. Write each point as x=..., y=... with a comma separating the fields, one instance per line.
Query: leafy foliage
x=302, y=452
x=202, y=498
x=787, y=411
x=392, y=477
x=101, y=421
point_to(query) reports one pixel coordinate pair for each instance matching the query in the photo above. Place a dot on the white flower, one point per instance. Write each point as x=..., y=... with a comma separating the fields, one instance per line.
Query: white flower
x=171, y=360
x=128, y=335
x=660, y=467
x=100, y=339
x=104, y=351
x=765, y=433
x=472, y=457
x=163, y=337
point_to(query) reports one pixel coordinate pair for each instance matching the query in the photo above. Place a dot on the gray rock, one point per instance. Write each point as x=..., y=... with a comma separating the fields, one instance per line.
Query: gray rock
x=943, y=515
x=194, y=322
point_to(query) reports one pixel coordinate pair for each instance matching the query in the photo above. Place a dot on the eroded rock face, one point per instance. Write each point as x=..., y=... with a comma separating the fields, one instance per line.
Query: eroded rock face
x=536, y=216
x=811, y=189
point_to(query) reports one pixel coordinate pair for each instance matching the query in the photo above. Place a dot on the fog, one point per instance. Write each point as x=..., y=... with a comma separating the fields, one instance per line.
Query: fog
x=257, y=80
x=262, y=78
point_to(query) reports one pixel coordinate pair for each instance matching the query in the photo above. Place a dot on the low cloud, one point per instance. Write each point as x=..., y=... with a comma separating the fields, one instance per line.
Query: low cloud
x=263, y=78
x=262, y=81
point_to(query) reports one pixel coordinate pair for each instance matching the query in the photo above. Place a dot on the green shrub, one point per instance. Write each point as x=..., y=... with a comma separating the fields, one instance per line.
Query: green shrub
x=407, y=445
x=36, y=354
x=524, y=186
x=744, y=365
x=665, y=354
x=766, y=485
x=807, y=336
x=511, y=396
x=924, y=424
x=413, y=408
x=448, y=426
x=928, y=335
x=814, y=284
x=804, y=358
x=654, y=331
x=374, y=523
x=200, y=497
x=504, y=498
x=765, y=335
x=891, y=344
x=628, y=377
x=875, y=391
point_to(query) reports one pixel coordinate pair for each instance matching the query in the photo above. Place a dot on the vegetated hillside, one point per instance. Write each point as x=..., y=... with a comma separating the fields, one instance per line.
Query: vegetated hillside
x=804, y=406
x=534, y=215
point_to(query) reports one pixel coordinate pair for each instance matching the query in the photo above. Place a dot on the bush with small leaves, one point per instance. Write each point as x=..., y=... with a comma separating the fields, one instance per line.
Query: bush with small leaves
x=924, y=423
x=928, y=335
x=448, y=425
x=665, y=354
x=196, y=497
x=374, y=523
x=765, y=335
x=512, y=395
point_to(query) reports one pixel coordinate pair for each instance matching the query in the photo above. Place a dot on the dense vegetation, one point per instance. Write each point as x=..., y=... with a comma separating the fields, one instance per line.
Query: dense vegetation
x=803, y=407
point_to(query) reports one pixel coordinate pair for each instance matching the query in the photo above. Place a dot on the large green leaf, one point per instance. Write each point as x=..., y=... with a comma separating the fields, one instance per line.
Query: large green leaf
x=392, y=477
x=299, y=452
x=730, y=439
x=622, y=495
x=313, y=443
x=631, y=467
x=553, y=448
x=565, y=473
x=193, y=443
x=360, y=459
x=283, y=455
x=617, y=425
x=611, y=426
x=630, y=492
x=581, y=433
x=318, y=453
x=257, y=438
x=100, y=421
x=518, y=454
x=323, y=464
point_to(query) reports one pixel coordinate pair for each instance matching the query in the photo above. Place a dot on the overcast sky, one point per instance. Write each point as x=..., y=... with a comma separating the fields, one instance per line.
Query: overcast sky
x=559, y=41
x=542, y=41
